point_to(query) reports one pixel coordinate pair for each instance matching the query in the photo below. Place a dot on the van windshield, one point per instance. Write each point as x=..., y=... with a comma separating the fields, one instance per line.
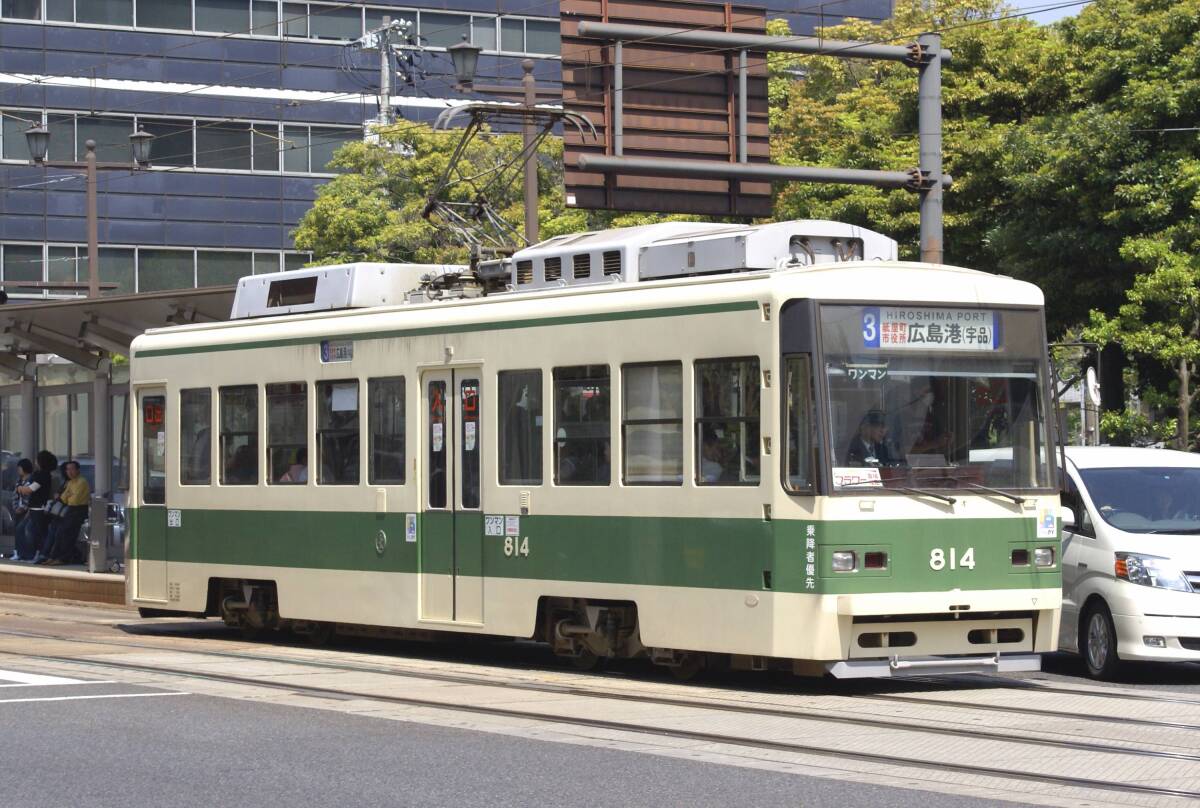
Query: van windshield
x=1146, y=500
x=935, y=397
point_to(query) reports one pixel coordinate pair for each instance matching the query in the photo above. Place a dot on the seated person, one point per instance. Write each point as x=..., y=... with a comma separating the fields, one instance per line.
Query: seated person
x=869, y=447
x=298, y=471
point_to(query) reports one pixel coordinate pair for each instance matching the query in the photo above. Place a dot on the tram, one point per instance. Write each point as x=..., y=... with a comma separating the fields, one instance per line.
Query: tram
x=769, y=446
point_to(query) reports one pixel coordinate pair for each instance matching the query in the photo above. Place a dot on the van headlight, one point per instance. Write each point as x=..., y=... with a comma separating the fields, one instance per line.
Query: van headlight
x=1148, y=570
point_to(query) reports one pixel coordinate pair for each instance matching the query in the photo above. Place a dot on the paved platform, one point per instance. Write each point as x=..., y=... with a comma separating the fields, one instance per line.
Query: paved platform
x=72, y=582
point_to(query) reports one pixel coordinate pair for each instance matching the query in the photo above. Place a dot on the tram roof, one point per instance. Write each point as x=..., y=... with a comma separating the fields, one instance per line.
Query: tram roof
x=858, y=281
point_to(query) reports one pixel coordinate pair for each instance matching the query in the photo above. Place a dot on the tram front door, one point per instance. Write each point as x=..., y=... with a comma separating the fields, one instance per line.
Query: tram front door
x=151, y=513
x=451, y=535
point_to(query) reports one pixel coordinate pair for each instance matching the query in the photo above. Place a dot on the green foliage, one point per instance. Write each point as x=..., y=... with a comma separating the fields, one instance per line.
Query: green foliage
x=1060, y=138
x=372, y=212
x=1051, y=133
x=1132, y=428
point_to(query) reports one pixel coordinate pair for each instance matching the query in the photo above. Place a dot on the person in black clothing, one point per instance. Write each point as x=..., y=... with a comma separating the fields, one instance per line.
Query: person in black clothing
x=869, y=447
x=39, y=489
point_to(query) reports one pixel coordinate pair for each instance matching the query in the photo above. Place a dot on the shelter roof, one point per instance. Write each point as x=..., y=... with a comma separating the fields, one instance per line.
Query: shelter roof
x=84, y=330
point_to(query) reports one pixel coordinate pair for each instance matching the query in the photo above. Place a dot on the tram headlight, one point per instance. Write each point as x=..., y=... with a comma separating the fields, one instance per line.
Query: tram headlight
x=1043, y=557
x=844, y=561
x=1147, y=570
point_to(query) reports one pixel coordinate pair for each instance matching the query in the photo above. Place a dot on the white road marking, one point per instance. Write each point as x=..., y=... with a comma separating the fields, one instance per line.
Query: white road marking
x=100, y=696
x=64, y=682
x=22, y=678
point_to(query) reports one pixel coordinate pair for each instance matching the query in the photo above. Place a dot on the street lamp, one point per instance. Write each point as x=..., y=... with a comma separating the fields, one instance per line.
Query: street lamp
x=465, y=57
x=140, y=142
x=38, y=139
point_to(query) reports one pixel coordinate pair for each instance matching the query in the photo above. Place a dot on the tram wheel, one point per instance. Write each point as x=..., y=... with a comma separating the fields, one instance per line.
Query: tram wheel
x=1100, y=643
x=585, y=661
x=321, y=634
x=689, y=665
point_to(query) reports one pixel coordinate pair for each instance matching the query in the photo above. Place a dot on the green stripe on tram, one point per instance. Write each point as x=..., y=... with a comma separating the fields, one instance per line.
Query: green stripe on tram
x=461, y=328
x=653, y=551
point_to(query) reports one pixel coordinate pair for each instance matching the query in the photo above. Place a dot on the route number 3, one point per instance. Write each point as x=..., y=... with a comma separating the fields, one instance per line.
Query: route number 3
x=515, y=546
x=937, y=559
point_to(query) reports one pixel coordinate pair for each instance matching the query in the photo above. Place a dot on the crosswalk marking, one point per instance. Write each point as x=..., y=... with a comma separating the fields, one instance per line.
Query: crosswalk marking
x=22, y=679
x=97, y=696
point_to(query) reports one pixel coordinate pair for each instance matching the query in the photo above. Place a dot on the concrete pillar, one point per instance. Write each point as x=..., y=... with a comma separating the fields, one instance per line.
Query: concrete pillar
x=29, y=445
x=102, y=429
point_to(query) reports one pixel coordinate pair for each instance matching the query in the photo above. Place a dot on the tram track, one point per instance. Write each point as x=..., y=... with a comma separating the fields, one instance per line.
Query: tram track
x=1005, y=683
x=1032, y=711
x=1035, y=712
x=773, y=711
x=317, y=691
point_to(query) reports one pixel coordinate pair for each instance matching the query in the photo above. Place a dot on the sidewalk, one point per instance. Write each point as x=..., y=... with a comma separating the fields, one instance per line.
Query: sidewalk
x=72, y=582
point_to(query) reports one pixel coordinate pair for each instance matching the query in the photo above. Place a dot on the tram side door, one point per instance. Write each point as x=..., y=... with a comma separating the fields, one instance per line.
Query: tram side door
x=151, y=523
x=451, y=536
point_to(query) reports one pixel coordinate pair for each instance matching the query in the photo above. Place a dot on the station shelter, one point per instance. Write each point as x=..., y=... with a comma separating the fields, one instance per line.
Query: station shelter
x=64, y=383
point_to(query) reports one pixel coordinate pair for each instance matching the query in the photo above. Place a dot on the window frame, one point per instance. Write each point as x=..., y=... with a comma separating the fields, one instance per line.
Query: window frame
x=502, y=432
x=627, y=422
x=699, y=420
x=268, y=446
x=318, y=430
x=371, y=417
x=184, y=458
x=221, y=444
x=814, y=418
x=554, y=454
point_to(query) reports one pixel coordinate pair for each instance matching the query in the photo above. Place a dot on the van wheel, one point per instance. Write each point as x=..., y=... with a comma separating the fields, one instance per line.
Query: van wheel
x=1100, y=643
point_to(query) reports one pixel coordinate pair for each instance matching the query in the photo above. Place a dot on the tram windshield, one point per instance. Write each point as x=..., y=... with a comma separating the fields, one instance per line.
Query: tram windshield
x=935, y=397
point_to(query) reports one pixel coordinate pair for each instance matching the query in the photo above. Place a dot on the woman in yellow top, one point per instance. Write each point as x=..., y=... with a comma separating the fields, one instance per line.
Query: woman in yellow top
x=65, y=530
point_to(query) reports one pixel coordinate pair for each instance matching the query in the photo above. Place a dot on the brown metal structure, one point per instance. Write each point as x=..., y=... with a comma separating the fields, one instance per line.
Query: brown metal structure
x=679, y=102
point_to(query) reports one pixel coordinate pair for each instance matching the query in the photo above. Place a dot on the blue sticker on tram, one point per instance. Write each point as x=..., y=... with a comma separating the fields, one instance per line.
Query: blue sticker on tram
x=870, y=326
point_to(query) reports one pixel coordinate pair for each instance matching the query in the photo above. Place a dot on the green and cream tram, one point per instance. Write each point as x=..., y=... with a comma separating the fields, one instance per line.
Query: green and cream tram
x=773, y=446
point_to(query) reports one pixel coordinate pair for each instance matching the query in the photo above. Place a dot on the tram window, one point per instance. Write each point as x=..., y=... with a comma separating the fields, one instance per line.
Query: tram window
x=239, y=435
x=195, y=436
x=727, y=422
x=287, y=433
x=520, y=424
x=582, y=429
x=337, y=432
x=386, y=422
x=437, y=444
x=652, y=424
x=469, y=441
x=799, y=425
x=154, y=442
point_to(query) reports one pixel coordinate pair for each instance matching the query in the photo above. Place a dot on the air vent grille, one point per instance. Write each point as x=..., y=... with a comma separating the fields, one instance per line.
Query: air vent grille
x=582, y=266
x=612, y=262
x=553, y=269
x=524, y=272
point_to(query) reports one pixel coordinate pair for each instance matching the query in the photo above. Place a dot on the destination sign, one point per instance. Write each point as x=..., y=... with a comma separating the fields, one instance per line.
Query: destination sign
x=918, y=328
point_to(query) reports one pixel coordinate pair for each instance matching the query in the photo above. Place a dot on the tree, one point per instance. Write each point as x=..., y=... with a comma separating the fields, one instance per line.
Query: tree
x=864, y=115
x=1073, y=147
x=373, y=210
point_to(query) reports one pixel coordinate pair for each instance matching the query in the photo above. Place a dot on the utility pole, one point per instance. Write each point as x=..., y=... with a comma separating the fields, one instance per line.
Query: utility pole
x=386, y=116
x=926, y=179
x=929, y=144
x=385, y=39
x=93, y=227
x=531, y=178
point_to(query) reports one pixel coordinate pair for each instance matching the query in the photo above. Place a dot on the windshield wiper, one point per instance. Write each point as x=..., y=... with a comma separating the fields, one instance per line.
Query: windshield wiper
x=1017, y=499
x=905, y=489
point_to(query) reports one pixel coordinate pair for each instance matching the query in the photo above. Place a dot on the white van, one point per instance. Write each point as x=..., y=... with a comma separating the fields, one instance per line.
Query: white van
x=1131, y=556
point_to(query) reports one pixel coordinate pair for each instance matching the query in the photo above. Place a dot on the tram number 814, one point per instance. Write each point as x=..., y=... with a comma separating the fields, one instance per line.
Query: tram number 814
x=938, y=559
